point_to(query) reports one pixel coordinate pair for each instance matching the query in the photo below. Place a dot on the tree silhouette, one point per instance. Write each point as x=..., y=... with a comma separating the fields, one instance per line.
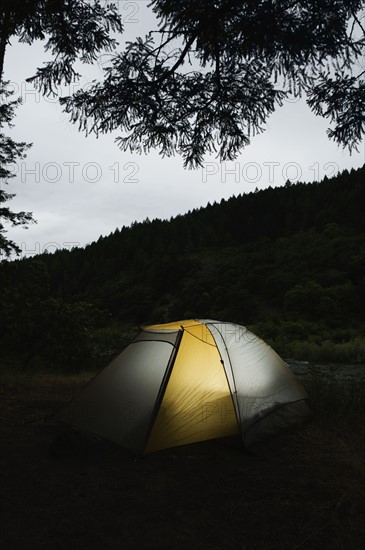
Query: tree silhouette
x=212, y=72
x=71, y=31
x=10, y=152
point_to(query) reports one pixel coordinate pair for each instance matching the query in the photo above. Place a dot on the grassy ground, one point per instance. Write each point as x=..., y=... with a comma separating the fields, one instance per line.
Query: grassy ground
x=301, y=490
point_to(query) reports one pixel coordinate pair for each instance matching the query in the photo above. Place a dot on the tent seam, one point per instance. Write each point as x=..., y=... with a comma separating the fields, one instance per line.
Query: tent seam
x=163, y=386
x=238, y=413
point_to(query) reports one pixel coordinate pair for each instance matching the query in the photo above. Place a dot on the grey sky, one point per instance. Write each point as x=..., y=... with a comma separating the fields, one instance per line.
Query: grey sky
x=79, y=188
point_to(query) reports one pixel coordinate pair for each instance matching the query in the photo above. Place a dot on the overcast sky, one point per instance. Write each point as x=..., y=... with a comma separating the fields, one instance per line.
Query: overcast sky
x=79, y=188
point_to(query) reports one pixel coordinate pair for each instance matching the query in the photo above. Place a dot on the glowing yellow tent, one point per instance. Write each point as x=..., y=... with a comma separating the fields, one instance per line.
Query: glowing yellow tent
x=189, y=381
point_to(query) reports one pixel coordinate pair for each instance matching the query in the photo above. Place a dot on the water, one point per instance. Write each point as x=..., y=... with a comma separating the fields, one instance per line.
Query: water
x=330, y=372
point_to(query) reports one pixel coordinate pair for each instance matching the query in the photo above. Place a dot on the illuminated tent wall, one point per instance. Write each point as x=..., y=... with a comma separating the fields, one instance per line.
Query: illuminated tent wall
x=189, y=381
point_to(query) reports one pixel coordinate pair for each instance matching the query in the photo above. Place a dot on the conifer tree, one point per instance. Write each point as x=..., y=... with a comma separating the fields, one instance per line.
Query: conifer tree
x=72, y=31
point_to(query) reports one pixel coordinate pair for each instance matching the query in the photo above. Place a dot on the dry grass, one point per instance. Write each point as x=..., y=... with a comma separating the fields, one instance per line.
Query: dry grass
x=21, y=377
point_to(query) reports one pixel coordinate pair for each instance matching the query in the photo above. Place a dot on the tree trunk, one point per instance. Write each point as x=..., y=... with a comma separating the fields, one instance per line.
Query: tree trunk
x=4, y=37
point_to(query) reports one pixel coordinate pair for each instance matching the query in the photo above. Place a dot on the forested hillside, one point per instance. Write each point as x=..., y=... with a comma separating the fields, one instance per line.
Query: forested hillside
x=289, y=262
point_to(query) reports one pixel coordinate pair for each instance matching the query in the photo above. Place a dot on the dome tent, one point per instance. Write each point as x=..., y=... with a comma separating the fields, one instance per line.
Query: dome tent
x=189, y=381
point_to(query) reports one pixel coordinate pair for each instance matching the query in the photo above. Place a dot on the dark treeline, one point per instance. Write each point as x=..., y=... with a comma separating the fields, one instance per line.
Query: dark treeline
x=289, y=261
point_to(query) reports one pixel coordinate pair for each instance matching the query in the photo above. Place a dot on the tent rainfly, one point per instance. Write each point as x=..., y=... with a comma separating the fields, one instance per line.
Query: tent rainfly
x=189, y=381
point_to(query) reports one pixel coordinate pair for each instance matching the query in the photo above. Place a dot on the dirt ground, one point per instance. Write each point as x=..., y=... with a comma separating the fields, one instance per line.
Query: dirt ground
x=302, y=490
